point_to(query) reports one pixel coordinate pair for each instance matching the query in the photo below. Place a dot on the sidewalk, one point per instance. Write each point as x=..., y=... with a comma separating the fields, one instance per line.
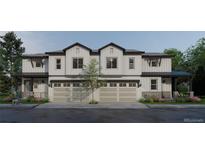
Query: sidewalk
x=176, y=106
x=17, y=106
x=101, y=105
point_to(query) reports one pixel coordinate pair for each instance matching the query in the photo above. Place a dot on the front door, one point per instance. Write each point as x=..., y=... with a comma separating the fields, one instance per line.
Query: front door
x=27, y=87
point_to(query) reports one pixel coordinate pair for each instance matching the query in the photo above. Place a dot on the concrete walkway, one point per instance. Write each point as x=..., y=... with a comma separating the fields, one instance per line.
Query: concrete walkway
x=103, y=105
x=17, y=106
x=178, y=106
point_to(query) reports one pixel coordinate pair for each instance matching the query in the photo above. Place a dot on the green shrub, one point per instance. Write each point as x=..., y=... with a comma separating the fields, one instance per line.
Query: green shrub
x=32, y=99
x=93, y=102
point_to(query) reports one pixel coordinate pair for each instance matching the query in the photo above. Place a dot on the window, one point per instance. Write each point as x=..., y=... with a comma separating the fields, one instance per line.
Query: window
x=76, y=84
x=122, y=84
x=111, y=62
x=77, y=63
x=58, y=63
x=35, y=85
x=154, y=63
x=66, y=84
x=38, y=64
x=111, y=50
x=153, y=84
x=131, y=63
x=113, y=84
x=132, y=84
x=57, y=84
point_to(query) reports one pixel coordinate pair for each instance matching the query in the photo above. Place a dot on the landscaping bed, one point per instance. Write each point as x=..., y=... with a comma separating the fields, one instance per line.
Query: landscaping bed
x=7, y=99
x=178, y=100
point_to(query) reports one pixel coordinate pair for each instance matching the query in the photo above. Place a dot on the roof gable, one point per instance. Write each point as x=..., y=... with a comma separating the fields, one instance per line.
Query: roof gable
x=112, y=44
x=77, y=44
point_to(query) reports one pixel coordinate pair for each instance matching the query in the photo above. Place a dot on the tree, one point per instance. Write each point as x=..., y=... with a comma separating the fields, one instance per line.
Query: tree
x=195, y=56
x=91, y=74
x=177, y=58
x=11, y=57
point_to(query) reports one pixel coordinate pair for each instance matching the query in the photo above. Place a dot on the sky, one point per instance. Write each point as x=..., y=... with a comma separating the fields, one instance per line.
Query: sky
x=148, y=41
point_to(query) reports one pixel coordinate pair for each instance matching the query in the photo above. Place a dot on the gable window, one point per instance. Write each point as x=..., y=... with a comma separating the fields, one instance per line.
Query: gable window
x=38, y=64
x=111, y=62
x=153, y=84
x=131, y=63
x=77, y=63
x=154, y=63
x=58, y=63
x=132, y=84
x=122, y=84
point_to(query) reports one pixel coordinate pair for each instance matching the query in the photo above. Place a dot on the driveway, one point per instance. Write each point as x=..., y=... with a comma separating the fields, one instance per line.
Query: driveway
x=101, y=105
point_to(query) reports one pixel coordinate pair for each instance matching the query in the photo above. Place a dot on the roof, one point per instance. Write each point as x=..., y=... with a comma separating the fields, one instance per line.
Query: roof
x=37, y=55
x=154, y=54
x=78, y=44
x=168, y=74
x=97, y=51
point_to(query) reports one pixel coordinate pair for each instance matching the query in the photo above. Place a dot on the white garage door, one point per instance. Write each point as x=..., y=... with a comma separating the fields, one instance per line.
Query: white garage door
x=69, y=92
x=119, y=92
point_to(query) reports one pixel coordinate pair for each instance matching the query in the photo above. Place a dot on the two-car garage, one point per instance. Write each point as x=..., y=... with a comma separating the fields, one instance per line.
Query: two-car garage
x=109, y=92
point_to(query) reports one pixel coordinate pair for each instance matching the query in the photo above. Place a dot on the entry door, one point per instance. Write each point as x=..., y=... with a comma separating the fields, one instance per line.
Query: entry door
x=27, y=87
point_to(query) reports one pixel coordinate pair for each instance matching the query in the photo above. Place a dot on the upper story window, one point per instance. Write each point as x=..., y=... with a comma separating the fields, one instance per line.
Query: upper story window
x=131, y=63
x=38, y=63
x=153, y=84
x=111, y=50
x=77, y=63
x=58, y=63
x=111, y=62
x=154, y=63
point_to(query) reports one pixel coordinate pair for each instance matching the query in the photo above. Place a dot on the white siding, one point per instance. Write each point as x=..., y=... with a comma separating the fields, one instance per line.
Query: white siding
x=164, y=67
x=137, y=65
x=52, y=65
x=73, y=53
x=117, y=53
x=146, y=84
x=28, y=67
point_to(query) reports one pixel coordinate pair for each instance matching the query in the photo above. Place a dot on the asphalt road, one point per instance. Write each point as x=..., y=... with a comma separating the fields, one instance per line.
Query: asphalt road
x=101, y=115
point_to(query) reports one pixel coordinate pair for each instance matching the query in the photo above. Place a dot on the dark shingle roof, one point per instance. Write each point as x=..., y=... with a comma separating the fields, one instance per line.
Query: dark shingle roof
x=168, y=74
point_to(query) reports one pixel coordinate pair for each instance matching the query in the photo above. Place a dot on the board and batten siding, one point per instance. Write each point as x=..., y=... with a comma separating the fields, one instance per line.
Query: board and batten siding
x=29, y=68
x=52, y=65
x=74, y=53
x=164, y=67
x=116, y=53
x=137, y=65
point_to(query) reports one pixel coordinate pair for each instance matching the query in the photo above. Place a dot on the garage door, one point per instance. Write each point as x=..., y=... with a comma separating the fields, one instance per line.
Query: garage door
x=119, y=92
x=108, y=94
x=69, y=92
x=62, y=94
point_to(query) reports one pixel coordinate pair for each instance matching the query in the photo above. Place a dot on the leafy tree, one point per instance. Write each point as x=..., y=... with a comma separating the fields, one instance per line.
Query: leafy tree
x=195, y=56
x=177, y=58
x=11, y=51
x=91, y=74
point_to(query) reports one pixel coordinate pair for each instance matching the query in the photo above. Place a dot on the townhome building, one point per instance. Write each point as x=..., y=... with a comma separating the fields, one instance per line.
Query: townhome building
x=128, y=74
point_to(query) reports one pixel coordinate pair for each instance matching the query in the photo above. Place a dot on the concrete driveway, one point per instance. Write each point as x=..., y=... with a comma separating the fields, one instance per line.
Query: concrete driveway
x=101, y=105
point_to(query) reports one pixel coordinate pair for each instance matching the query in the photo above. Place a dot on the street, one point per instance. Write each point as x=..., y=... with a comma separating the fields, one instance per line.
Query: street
x=36, y=115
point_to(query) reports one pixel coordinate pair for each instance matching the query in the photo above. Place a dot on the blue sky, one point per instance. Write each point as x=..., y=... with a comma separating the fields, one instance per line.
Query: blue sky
x=36, y=42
